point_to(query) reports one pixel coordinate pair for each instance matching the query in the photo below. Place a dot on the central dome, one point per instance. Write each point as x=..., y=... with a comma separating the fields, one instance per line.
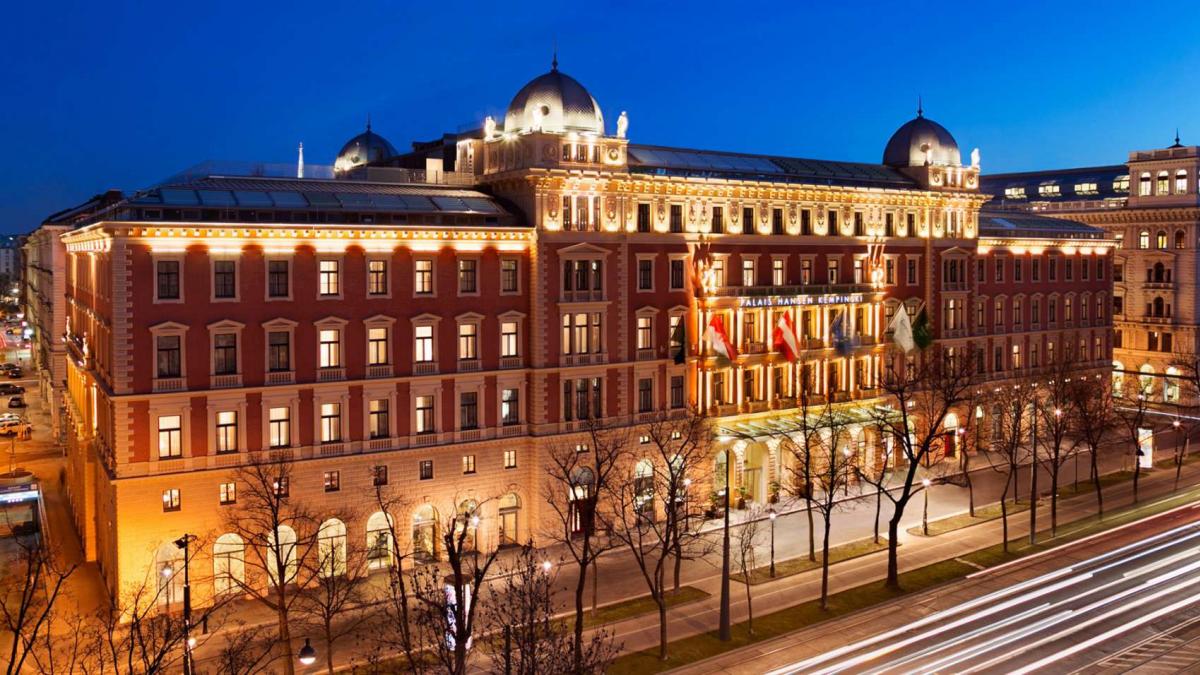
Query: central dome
x=554, y=102
x=365, y=148
x=919, y=142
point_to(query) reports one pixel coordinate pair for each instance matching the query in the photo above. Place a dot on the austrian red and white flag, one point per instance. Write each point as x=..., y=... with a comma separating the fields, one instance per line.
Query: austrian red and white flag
x=784, y=338
x=719, y=339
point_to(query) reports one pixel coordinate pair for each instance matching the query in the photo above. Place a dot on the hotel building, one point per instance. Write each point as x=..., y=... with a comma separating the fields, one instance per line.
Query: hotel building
x=440, y=318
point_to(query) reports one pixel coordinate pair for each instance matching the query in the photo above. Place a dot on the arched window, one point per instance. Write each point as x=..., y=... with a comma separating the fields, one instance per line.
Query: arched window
x=1144, y=239
x=1118, y=377
x=1144, y=184
x=468, y=519
x=1179, y=240
x=582, y=482
x=643, y=489
x=331, y=548
x=720, y=472
x=1171, y=385
x=168, y=568
x=1160, y=240
x=281, y=556
x=379, y=540
x=1164, y=180
x=1158, y=307
x=1181, y=182
x=229, y=563
x=1146, y=379
x=509, y=516
x=1160, y=272
x=425, y=533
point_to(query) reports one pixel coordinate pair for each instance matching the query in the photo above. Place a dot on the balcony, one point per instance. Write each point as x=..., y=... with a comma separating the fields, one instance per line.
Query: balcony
x=468, y=365
x=581, y=296
x=331, y=449
x=583, y=359
x=425, y=368
x=469, y=435
x=226, y=381
x=510, y=430
x=331, y=374
x=379, y=370
x=1159, y=285
x=806, y=289
x=423, y=440
x=507, y=362
x=281, y=377
x=755, y=348
x=170, y=384
x=645, y=354
x=955, y=286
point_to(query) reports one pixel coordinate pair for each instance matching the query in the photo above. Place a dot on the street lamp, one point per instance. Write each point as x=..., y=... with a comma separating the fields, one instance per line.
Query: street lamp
x=925, y=514
x=184, y=544
x=771, y=515
x=307, y=655
x=546, y=566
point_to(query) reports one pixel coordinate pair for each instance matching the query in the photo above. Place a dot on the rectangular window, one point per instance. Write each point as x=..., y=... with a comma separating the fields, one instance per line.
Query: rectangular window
x=170, y=499
x=277, y=279
x=677, y=275
x=378, y=424
x=228, y=492
x=509, y=282
x=227, y=431
x=378, y=351
x=645, y=275
x=468, y=464
x=424, y=416
x=718, y=220
x=169, y=356
x=748, y=272
x=279, y=351
x=510, y=406
x=1035, y=269
x=677, y=218
x=1053, y=272
x=225, y=354
x=508, y=339
x=423, y=344
x=510, y=459
x=676, y=391
x=645, y=330
x=426, y=469
x=170, y=436
x=331, y=422
x=998, y=273
x=805, y=222
x=423, y=277
x=833, y=271
x=468, y=341
x=280, y=431
x=377, y=277
x=1017, y=272
x=329, y=277
x=831, y=227
x=333, y=481
x=468, y=410
x=860, y=227
x=379, y=475
x=643, y=217
x=224, y=279
x=806, y=271
x=331, y=348
x=468, y=276
x=645, y=394
x=748, y=226
x=777, y=221
x=1069, y=269
x=910, y=272
x=283, y=486
x=167, y=284
x=778, y=273
x=718, y=272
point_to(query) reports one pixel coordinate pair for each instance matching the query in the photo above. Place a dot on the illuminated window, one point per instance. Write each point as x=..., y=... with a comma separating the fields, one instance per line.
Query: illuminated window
x=333, y=481
x=1144, y=184
x=510, y=406
x=748, y=271
x=425, y=469
x=718, y=272
x=468, y=464
x=170, y=437
x=1014, y=192
x=508, y=339
x=1144, y=239
x=1160, y=240
x=424, y=416
x=378, y=350
x=1088, y=188
x=423, y=344
x=1121, y=184
x=329, y=279
x=1163, y=182
x=468, y=276
x=1049, y=190
x=468, y=410
x=645, y=332
x=331, y=422
x=423, y=277
x=377, y=277
x=331, y=348
x=510, y=459
x=833, y=270
x=227, y=431
x=1180, y=182
x=778, y=273
x=170, y=499
x=378, y=421
x=509, y=281
x=279, y=351
x=228, y=494
x=468, y=341
x=280, y=431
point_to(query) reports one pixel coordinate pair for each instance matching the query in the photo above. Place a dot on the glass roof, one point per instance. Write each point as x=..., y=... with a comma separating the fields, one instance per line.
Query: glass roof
x=666, y=160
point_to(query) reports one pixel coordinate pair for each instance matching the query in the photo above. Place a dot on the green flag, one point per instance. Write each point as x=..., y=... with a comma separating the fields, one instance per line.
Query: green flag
x=679, y=342
x=922, y=335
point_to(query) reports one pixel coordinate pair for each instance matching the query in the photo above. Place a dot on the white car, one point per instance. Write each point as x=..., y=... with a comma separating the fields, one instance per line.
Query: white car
x=10, y=427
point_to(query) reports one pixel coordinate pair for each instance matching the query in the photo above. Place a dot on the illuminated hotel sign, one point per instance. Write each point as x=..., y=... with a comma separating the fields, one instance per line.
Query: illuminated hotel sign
x=796, y=300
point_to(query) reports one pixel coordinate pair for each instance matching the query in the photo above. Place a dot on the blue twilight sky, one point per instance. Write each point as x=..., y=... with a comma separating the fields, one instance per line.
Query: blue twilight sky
x=99, y=95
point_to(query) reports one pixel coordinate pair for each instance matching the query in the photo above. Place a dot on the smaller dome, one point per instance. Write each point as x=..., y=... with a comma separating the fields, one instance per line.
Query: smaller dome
x=921, y=141
x=365, y=148
x=554, y=102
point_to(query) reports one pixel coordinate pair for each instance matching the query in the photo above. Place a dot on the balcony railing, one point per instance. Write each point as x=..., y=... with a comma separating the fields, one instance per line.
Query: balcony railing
x=806, y=289
x=582, y=296
x=170, y=384
x=379, y=370
x=281, y=377
x=425, y=368
x=510, y=430
x=645, y=355
x=511, y=362
x=583, y=359
x=226, y=381
x=468, y=365
x=331, y=374
x=423, y=440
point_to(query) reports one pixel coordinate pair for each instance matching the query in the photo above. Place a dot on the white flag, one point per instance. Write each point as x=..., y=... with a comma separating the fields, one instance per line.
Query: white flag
x=902, y=331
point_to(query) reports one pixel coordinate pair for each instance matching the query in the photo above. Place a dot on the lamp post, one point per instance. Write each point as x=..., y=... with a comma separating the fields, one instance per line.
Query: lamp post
x=772, y=515
x=1033, y=472
x=925, y=482
x=308, y=654
x=184, y=544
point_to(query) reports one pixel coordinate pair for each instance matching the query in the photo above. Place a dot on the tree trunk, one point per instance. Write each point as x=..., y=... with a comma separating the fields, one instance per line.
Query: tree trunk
x=328, y=625
x=678, y=565
x=812, y=541
x=966, y=467
x=1137, y=473
x=746, y=572
x=1016, y=479
x=825, y=560
x=1096, y=482
x=662, y=627
x=1054, y=496
x=577, y=636
x=893, y=571
x=1004, y=512
x=878, y=507
x=285, y=636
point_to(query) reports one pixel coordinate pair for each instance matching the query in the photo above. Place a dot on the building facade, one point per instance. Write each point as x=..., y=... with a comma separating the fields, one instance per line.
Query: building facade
x=444, y=327
x=45, y=311
x=1151, y=208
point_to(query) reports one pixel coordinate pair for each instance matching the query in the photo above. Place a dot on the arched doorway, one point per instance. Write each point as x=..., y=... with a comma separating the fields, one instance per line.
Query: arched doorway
x=582, y=482
x=229, y=563
x=281, y=556
x=425, y=533
x=950, y=434
x=643, y=489
x=1146, y=380
x=168, y=570
x=754, y=472
x=509, y=516
x=468, y=519
x=379, y=540
x=331, y=548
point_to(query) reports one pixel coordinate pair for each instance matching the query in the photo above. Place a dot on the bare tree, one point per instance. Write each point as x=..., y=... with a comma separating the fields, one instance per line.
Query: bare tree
x=746, y=543
x=923, y=390
x=831, y=473
x=520, y=617
x=331, y=603
x=1133, y=408
x=393, y=630
x=577, y=480
x=1011, y=418
x=1056, y=423
x=677, y=453
x=1094, y=419
x=31, y=585
x=278, y=533
x=243, y=651
x=877, y=475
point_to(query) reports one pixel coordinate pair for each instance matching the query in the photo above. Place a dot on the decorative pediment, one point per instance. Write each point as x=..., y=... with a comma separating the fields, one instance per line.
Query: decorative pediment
x=379, y=319
x=331, y=322
x=279, y=324
x=425, y=318
x=469, y=317
x=226, y=324
x=582, y=249
x=168, y=326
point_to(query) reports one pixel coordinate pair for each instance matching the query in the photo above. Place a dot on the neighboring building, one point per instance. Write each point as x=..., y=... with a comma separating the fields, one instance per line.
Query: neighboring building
x=1151, y=206
x=444, y=326
x=11, y=265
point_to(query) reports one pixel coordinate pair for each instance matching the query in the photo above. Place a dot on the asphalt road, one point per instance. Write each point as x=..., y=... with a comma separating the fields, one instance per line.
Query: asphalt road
x=1136, y=607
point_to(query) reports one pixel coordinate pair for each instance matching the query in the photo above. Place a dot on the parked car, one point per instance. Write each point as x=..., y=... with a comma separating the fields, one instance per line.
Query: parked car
x=16, y=373
x=15, y=427
x=8, y=389
x=16, y=402
x=4, y=417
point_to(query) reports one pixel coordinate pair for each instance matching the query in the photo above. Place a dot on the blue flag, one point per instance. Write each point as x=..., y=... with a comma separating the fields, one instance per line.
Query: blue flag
x=841, y=343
